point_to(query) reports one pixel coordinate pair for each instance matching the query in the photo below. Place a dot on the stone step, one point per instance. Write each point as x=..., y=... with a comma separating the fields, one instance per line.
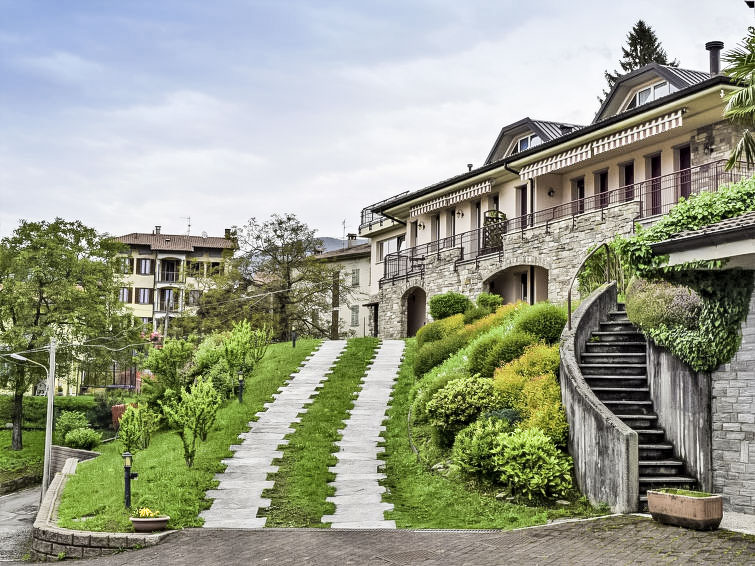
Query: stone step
x=618, y=336
x=630, y=407
x=613, y=358
x=607, y=347
x=648, y=435
x=614, y=369
x=612, y=381
x=621, y=393
x=639, y=421
x=658, y=451
x=617, y=326
x=669, y=467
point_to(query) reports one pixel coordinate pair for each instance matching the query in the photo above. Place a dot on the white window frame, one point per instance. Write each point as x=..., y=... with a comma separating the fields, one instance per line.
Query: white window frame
x=354, y=315
x=532, y=140
x=634, y=94
x=355, y=277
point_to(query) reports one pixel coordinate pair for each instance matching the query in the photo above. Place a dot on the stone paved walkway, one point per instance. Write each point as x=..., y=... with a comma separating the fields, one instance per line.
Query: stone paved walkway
x=238, y=497
x=622, y=540
x=17, y=512
x=358, y=496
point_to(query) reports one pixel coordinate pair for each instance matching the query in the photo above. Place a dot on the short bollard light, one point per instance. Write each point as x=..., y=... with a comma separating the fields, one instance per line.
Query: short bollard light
x=293, y=338
x=127, y=477
x=241, y=386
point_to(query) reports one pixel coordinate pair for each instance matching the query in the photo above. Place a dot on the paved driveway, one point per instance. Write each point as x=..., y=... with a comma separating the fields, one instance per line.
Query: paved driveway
x=17, y=512
x=608, y=541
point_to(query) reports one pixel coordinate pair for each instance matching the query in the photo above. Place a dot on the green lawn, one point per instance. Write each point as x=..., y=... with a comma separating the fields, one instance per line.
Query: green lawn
x=298, y=497
x=93, y=498
x=426, y=499
x=19, y=463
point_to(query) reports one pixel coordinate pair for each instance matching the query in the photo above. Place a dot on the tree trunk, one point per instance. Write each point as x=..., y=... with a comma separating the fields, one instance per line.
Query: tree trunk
x=18, y=417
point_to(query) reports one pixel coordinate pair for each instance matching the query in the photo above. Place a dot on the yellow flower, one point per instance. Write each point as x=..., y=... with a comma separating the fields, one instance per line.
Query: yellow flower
x=147, y=513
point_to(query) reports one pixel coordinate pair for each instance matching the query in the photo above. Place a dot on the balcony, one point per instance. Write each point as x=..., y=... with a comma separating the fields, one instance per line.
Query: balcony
x=370, y=218
x=169, y=277
x=656, y=197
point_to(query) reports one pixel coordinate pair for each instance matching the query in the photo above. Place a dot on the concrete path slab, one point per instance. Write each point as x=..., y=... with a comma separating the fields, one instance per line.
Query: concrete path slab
x=238, y=496
x=358, y=495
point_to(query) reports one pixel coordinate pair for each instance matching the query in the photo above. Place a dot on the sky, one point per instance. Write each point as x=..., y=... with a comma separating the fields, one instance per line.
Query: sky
x=127, y=115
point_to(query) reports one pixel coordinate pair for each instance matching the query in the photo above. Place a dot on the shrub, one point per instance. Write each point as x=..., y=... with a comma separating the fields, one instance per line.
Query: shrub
x=459, y=403
x=479, y=354
x=68, y=421
x=82, y=438
x=475, y=446
x=475, y=313
x=447, y=304
x=439, y=329
x=653, y=303
x=501, y=316
x=537, y=359
x=429, y=388
x=136, y=428
x=489, y=301
x=511, y=346
x=434, y=353
x=530, y=465
x=545, y=321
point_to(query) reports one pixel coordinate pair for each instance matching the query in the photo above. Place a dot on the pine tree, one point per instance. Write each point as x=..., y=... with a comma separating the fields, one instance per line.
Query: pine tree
x=642, y=48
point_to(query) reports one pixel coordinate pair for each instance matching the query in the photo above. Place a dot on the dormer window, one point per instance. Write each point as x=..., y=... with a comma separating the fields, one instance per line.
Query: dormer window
x=648, y=94
x=525, y=143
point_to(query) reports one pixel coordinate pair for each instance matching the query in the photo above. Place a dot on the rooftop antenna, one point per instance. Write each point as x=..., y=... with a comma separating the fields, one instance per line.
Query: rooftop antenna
x=188, y=224
x=343, y=237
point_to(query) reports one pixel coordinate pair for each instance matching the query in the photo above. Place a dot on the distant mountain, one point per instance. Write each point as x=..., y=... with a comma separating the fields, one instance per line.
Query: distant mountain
x=331, y=244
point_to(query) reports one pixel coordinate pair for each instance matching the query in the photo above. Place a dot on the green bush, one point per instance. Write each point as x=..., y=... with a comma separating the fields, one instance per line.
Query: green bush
x=459, y=403
x=136, y=428
x=475, y=313
x=653, y=303
x=475, y=445
x=480, y=353
x=435, y=353
x=448, y=304
x=545, y=321
x=82, y=438
x=529, y=465
x=511, y=346
x=489, y=301
x=35, y=409
x=68, y=421
x=436, y=330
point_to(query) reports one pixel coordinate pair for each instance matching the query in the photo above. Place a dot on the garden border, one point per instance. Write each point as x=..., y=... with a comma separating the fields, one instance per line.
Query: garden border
x=50, y=542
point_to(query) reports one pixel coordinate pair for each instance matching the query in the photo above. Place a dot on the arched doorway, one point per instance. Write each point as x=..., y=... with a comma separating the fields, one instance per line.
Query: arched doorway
x=416, y=306
x=528, y=283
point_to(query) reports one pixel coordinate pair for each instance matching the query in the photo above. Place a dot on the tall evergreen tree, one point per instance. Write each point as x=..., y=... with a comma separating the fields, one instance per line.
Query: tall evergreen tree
x=642, y=48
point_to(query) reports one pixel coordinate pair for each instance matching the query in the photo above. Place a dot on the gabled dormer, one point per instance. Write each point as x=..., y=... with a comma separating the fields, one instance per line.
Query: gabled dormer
x=526, y=134
x=646, y=85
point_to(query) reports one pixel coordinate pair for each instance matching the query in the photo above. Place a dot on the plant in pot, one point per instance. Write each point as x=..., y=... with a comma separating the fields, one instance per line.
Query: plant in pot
x=684, y=508
x=146, y=520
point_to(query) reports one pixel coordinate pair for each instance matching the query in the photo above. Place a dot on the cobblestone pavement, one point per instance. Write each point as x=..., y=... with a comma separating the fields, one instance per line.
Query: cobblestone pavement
x=17, y=511
x=608, y=541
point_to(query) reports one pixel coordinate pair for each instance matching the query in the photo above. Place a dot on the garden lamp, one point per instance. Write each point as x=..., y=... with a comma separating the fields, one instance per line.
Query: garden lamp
x=127, y=477
x=241, y=386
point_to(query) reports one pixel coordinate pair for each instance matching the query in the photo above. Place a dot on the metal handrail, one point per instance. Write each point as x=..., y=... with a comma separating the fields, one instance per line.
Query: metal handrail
x=609, y=251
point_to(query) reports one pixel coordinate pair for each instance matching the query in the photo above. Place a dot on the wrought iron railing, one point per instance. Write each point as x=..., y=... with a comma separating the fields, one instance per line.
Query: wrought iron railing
x=656, y=196
x=369, y=216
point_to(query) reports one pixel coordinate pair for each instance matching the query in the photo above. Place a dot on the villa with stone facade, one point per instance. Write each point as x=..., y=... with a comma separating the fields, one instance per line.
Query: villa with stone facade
x=521, y=224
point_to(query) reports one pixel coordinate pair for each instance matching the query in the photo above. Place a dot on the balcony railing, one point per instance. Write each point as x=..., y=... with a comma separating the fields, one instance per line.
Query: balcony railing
x=169, y=277
x=369, y=217
x=656, y=196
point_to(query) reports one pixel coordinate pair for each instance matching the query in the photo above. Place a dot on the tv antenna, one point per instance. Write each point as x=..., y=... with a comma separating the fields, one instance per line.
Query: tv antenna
x=188, y=224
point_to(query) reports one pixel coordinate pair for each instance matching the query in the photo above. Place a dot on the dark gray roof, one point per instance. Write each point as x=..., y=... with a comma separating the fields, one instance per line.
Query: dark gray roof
x=685, y=77
x=546, y=129
x=729, y=230
x=553, y=130
x=358, y=250
x=175, y=242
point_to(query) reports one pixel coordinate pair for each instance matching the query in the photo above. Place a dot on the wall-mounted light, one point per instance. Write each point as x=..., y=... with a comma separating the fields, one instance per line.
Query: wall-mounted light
x=459, y=214
x=551, y=192
x=708, y=146
x=420, y=226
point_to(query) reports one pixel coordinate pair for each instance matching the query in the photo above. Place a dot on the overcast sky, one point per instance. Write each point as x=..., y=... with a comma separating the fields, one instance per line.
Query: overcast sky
x=130, y=114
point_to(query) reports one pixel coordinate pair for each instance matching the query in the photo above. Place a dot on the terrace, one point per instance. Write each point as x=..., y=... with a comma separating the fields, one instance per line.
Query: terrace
x=656, y=196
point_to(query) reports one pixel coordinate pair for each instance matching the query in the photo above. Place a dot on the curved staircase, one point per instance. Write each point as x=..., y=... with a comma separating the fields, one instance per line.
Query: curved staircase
x=613, y=363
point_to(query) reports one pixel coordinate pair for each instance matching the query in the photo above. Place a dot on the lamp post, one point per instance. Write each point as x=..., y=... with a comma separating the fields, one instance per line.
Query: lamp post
x=241, y=386
x=128, y=475
x=50, y=372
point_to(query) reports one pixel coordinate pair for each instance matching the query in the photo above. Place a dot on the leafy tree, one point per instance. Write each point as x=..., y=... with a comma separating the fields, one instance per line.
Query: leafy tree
x=191, y=414
x=171, y=366
x=245, y=347
x=279, y=259
x=740, y=105
x=58, y=280
x=642, y=48
x=136, y=427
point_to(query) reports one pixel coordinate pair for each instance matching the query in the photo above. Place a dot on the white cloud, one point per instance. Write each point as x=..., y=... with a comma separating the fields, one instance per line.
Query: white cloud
x=62, y=66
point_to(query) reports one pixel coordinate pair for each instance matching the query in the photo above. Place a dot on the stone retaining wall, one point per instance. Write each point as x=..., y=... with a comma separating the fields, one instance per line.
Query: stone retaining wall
x=559, y=248
x=60, y=454
x=50, y=542
x=19, y=483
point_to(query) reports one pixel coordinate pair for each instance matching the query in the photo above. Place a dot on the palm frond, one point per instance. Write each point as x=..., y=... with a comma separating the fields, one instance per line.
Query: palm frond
x=744, y=151
x=740, y=106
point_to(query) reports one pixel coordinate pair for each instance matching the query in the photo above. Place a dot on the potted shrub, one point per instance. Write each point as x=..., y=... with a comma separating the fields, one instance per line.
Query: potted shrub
x=684, y=508
x=147, y=521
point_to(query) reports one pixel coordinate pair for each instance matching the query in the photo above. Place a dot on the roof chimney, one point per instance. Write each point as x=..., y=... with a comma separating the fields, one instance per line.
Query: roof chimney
x=227, y=233
x=469, y=166
x=157, y=229
x=565, y=129
x=350, y=239
x=715, y=47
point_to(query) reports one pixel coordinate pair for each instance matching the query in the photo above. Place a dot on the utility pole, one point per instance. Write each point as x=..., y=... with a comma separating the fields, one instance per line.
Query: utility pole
x=48, y=424
x=334, y=306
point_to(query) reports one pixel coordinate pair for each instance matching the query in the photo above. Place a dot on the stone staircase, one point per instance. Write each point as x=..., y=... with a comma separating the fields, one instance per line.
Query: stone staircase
x=614, y=365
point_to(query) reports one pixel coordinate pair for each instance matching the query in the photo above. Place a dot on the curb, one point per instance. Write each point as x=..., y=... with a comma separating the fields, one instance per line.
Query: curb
x=50, y=542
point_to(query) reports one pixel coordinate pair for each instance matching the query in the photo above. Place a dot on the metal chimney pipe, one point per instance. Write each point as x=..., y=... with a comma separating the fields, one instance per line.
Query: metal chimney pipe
x=469, y=166
x=715, y=47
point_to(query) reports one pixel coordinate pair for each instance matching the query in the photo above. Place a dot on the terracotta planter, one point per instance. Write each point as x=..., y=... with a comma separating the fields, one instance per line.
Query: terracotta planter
x=149, y=524
x=700, y=513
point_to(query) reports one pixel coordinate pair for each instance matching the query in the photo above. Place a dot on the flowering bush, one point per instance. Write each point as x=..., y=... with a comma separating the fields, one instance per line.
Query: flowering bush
x=147, y=513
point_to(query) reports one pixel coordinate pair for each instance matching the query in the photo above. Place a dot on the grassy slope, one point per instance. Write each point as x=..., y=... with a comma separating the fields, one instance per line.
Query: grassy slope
x=27, y=462
x=165, y=483
x=298, y=497
x=424, y=499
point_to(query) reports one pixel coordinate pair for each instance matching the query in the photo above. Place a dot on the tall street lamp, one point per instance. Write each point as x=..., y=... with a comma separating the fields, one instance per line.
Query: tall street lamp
x=50, y=372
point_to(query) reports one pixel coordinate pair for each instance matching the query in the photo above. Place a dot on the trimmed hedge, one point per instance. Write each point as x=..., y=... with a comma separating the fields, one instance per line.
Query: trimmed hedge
x=448, y=304
x=500, y=352
x=653, y=303
x=489, y=301
x=460, y=402
x=545, y=321
x=434, y=331
x=96, y=409
x=435, y=353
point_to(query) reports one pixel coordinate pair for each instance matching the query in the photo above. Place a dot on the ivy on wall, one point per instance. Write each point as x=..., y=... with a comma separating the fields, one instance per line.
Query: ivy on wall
x=725, y=295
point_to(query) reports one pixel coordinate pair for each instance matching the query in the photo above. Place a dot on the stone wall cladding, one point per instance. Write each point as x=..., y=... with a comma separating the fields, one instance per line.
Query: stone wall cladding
x=50, y=542
x=723, y=136
x=733, y=418
x=560, y=248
